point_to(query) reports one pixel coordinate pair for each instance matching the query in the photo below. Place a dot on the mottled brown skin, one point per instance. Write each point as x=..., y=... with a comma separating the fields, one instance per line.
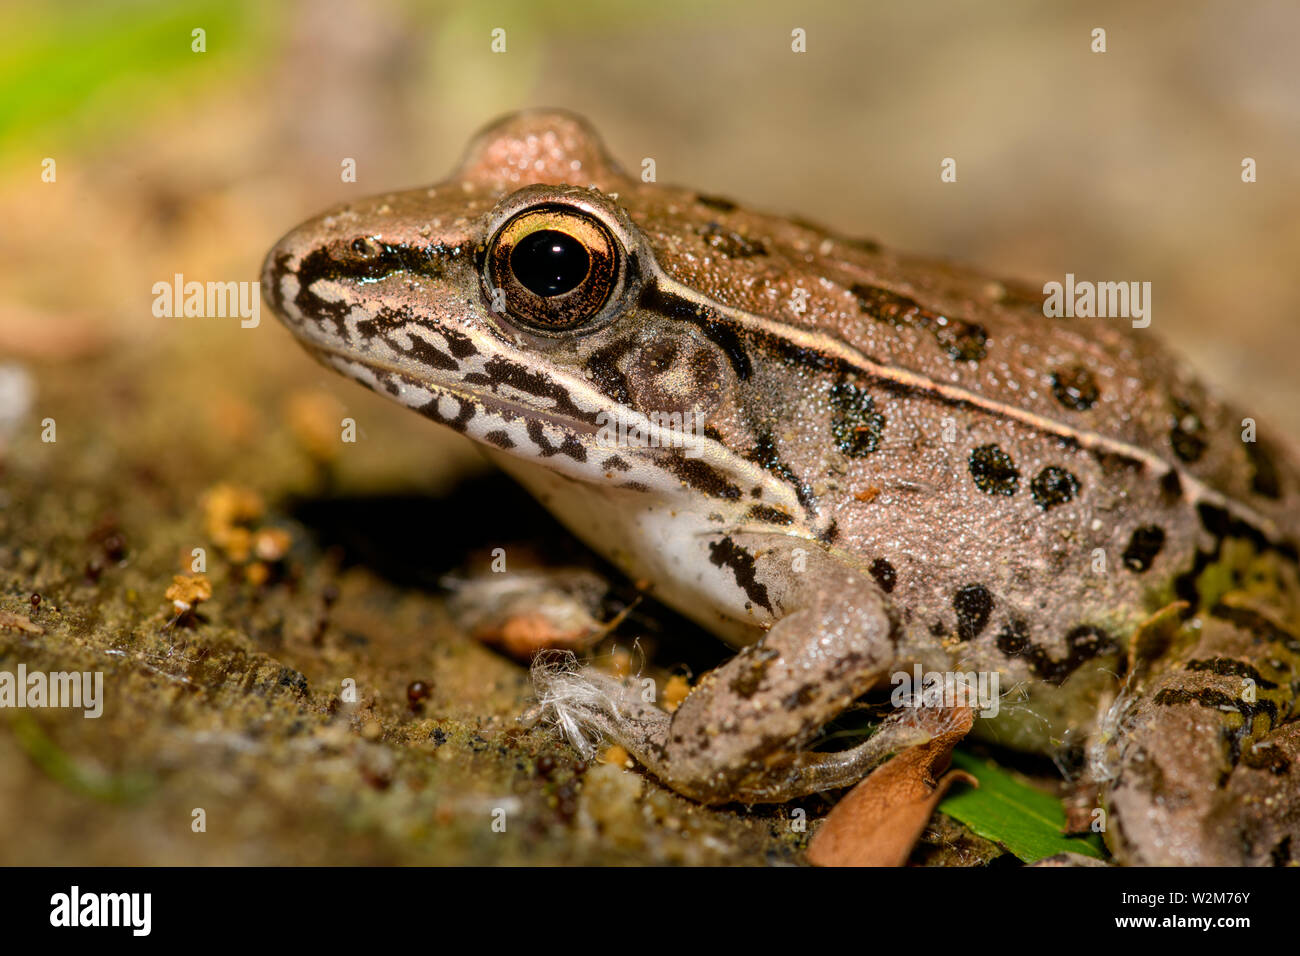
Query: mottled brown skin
x=1205, y=771
x=905, y=462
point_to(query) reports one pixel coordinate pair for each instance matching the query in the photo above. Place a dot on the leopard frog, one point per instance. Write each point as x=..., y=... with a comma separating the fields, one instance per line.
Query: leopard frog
x=897, y=463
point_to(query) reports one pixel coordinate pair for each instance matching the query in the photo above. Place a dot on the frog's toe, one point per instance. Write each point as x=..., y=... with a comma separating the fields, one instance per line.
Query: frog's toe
x=590, y=707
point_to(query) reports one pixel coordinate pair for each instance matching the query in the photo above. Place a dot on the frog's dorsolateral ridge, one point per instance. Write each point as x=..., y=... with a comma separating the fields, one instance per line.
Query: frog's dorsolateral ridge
x=846, y=461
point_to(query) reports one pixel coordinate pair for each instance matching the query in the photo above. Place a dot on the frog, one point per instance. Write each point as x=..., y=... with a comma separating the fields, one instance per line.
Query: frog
x=895, y=464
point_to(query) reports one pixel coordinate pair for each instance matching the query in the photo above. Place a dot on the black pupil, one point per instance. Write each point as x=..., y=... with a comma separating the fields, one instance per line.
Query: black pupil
x=549, y=262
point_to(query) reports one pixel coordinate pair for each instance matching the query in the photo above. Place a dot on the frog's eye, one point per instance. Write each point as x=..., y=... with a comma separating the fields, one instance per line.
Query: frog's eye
x=555, y=267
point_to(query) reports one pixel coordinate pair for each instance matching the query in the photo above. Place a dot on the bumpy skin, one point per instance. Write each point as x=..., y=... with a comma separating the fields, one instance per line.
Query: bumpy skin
x=903, y=461
x=1205, y=770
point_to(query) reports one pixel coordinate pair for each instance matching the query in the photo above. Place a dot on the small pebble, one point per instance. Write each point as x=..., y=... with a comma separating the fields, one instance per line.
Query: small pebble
x=115, y=547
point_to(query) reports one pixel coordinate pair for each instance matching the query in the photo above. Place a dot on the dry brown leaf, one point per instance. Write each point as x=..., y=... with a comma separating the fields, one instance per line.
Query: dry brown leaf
x=880, y=820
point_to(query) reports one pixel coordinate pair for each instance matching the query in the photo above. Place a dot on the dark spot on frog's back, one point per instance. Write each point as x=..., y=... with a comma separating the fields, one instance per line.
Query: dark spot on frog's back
x=963, y=340
x=726, y=553
x=1014, y=638
x=1075, y=388
x=884, y=574
x=993, y=470
x=500, y=439
x=1187, y=432
x=1082, y=643
x=799, y=698
x=1143, y=546
x=1053, y=486
x=1171, y=487
x=1222, y=524
x=973, y=604
x=856, y=425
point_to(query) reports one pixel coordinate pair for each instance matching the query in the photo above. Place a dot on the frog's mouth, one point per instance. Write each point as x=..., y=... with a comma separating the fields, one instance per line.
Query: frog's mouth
x=464, y=377
x=408, y=386
x=574, y=446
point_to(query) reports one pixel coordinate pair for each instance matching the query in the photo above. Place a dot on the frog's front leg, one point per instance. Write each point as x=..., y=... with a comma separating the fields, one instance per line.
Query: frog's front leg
x=738, y=735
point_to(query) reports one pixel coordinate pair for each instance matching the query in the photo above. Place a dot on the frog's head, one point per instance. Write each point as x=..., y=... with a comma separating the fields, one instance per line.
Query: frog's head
x=521, y=303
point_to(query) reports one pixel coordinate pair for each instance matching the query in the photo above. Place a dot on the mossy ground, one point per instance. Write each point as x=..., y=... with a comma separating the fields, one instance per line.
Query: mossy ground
x=239, y=711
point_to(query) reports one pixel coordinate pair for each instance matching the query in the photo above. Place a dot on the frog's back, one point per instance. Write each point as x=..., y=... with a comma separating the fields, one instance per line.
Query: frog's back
x=1026, y=487
x=1095, y=379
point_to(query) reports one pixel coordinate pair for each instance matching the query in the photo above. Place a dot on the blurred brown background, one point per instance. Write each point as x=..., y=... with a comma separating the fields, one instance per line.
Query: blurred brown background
x=1123, y=165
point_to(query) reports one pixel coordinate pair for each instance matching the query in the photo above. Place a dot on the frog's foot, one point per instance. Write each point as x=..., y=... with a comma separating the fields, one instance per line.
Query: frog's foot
x=590, y=707
x=1204, y=768
x=739, y=735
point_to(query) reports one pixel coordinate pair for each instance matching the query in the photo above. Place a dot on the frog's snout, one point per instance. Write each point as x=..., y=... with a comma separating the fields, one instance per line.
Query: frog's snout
x=281, y=276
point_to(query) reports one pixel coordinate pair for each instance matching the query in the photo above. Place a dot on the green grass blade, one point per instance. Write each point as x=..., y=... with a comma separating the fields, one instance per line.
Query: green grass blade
x=1015, y=815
